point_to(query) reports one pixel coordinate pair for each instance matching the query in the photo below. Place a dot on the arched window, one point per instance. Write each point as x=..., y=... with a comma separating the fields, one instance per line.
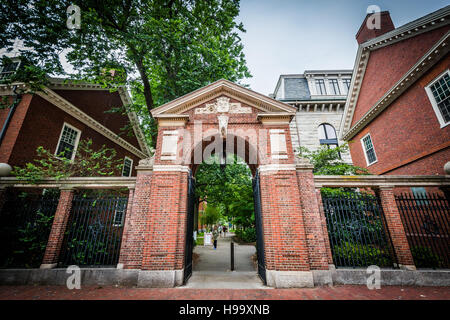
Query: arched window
x=327, y=135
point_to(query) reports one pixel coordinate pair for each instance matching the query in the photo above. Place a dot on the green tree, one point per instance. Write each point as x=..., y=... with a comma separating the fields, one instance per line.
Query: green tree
x=328, y=161
x=161, y=49
x=228, y=188
x=210, y=216
x=87, y=163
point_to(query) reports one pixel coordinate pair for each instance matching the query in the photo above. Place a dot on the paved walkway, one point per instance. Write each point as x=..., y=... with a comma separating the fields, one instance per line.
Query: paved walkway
x=318, y=293
x=212, y=269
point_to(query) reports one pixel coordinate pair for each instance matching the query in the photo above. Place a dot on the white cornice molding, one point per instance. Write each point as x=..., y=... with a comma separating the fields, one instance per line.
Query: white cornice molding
x=209, y=92
x=126, y=100
x=73, y=183
x=69, y=108
x=170, y=168
x=381, y=181
x=439, y=50
x=64, y=84
x=427, y=23
x=276, y=167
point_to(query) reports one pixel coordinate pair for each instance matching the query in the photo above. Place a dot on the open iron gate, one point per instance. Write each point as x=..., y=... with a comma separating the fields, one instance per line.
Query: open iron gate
x=259, y=229
x=189, y=246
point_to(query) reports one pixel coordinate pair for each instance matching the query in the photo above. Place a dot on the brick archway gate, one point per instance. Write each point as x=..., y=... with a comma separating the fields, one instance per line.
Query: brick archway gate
x=256, y=128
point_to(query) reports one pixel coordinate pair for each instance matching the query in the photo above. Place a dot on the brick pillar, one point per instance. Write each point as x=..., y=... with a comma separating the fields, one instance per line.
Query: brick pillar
x=283, y=225
x=165, y=233
x=59, y=225
x=137, y=216
x=395, y=227
x=123, y=255
x=2, y=197
x=324, y=227
x=317, y=252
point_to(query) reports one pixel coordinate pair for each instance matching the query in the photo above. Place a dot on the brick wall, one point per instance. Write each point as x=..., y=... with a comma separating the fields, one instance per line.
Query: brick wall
x=95, y=103
x=284, y=234
x=15, y=125
x=388, y=64
x=407, y=136
x=41, y=125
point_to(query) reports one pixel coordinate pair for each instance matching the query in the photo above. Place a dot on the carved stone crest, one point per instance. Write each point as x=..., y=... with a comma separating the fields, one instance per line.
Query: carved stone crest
x=223, y=105
x=223, y=124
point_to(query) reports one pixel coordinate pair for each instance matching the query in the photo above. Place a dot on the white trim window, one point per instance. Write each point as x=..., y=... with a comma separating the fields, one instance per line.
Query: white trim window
x=346, y=84
x=320, y=87
x=438, y=92
x=334, y=87
x=119, y=212
x=127, y=167
x=68, y=142
x=369, y=149
x=9, y=69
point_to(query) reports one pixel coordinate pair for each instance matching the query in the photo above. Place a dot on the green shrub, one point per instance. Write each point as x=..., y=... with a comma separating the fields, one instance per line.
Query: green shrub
x=247, y=235
x=424, y=257
x=199, y=241
x=361, y=255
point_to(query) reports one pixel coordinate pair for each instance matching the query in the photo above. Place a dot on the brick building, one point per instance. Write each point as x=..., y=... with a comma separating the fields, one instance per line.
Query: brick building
x=62, y=114
x=319, y=97
x=397, y=112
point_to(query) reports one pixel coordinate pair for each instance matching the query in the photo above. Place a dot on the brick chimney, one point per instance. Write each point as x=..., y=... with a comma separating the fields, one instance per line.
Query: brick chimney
x=364, y=34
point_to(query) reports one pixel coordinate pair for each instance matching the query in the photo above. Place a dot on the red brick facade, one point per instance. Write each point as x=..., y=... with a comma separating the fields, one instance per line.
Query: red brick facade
x=37, y=122
x=59, y=226
x=407, y=136
x=295, y=236
x=292, y=227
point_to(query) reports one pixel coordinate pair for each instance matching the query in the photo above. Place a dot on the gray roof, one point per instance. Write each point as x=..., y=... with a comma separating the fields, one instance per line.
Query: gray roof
x=296, y=88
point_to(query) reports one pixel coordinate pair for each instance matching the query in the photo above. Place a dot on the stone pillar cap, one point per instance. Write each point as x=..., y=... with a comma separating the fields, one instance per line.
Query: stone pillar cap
x=146, y=164
x=302, y=163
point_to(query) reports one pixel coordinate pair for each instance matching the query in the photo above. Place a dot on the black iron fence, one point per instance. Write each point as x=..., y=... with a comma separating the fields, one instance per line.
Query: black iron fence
x=26, y=220
x=357, y=230
x=94, y=231
x=425, y=219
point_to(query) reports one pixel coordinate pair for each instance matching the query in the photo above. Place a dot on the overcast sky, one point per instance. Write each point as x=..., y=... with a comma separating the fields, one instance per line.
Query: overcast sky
x=290, y=36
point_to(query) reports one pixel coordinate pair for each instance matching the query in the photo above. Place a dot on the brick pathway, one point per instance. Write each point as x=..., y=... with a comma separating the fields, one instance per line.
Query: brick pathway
x=319, y=293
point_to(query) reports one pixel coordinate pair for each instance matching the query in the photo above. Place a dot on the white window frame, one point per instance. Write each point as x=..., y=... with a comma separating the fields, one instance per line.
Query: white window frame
x=131, y=165
x=13, y=61
x=123, y=216
x=77, y=140
x=365, y=151
x=432, y=99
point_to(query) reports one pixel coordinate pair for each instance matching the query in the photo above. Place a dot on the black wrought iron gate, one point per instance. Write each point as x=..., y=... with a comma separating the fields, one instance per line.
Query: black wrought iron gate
x=189, y=246
x=259, y=229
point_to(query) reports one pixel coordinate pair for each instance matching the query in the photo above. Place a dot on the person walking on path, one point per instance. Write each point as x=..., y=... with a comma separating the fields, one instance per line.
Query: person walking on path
x=215, y=236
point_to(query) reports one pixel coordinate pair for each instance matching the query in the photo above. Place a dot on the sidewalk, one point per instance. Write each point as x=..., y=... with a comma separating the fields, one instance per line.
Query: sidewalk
x=319, y=293
x=212, y=270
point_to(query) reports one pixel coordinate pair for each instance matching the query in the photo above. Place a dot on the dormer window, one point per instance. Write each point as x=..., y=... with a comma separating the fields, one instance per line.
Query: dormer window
x=320, y=87
x=346, y=83
x=9, y=69
x=334, y=87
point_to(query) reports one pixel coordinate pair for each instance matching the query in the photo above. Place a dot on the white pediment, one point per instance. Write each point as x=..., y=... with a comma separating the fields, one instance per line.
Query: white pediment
x=221, y=92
